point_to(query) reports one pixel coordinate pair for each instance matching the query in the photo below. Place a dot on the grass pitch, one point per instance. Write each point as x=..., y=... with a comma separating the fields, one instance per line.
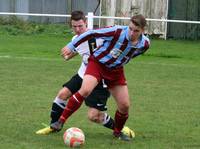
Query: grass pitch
x=164, y=87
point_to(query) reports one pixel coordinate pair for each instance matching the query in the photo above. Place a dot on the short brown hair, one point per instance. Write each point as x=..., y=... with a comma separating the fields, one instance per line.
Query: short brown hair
x=78, y=15
x=139, y=20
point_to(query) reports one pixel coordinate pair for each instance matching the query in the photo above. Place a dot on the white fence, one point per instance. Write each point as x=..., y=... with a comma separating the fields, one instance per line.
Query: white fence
x=91, y=18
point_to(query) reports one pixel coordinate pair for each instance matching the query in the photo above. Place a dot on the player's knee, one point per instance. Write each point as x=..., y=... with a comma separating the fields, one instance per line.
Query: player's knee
x=85, y=92
x=64, y=93
x=93, y=116
x=124, y=107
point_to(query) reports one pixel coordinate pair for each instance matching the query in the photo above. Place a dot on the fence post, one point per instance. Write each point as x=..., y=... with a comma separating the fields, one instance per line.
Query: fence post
x=90, y=20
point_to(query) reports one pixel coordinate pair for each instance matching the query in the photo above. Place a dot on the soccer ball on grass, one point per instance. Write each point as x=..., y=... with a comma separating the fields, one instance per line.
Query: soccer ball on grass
x=74, y=137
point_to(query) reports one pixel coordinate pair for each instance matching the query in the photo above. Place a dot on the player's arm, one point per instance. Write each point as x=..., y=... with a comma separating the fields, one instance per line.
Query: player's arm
x=103, y=33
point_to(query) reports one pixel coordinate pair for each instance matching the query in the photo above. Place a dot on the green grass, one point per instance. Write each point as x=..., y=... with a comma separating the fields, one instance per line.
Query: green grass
x=164, y=88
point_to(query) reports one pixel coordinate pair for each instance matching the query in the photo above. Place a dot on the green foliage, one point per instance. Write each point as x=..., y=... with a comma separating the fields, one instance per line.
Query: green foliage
x=163, y=86
x=15, y=26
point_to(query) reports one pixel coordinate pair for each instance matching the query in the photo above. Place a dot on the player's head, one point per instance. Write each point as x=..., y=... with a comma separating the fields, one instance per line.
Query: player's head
x=78, y=22
x=136, y=26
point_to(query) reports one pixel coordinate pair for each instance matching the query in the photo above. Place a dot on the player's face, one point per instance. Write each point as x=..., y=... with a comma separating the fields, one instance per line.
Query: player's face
x=79, y=26
x=134, y=31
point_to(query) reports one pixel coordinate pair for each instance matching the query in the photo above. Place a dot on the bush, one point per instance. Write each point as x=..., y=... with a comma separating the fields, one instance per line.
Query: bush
x=15, y=26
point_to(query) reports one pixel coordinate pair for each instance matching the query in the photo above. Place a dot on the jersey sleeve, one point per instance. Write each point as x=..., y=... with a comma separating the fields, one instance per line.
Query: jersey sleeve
x=104, y=33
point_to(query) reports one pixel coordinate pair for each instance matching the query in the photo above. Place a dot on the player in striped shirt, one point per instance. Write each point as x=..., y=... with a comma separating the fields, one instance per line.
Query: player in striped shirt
x=121, y=44
x=96, y=102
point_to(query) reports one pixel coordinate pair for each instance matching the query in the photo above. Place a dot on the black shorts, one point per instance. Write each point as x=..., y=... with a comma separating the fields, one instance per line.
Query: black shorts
x=97, y=99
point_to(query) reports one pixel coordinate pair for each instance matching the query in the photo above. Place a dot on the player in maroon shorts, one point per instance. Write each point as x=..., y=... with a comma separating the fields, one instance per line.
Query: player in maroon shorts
x=121, y=44
x=96, y=101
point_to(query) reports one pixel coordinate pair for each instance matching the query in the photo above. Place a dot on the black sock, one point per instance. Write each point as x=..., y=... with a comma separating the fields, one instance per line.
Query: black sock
x=56, y=112
x=108, y=122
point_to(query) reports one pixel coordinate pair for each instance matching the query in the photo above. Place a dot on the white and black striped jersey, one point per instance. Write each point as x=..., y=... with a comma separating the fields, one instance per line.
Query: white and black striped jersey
x=84, y=50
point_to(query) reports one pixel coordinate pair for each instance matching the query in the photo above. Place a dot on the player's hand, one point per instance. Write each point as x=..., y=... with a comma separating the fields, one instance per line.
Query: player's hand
x=65, y=53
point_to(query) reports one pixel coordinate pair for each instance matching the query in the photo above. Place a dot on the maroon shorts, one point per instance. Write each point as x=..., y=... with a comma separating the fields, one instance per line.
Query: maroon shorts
x=112, y=76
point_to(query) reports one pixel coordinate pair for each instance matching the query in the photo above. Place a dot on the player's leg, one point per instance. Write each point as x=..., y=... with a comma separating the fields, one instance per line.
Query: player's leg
x=70, y=87
x=100, y=117
x=120, y=94
x=90, y=80
x=59, y=103
x=57, y=108
x=106, y=120
x=96, y=102
x=75, y=101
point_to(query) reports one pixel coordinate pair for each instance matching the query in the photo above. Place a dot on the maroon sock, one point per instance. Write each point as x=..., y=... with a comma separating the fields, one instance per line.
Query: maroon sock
x=120, y=120
x=73, y=104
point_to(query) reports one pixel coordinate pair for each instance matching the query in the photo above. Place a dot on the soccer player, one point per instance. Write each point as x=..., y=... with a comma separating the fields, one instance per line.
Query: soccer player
x=121, y=44
x=96, y=101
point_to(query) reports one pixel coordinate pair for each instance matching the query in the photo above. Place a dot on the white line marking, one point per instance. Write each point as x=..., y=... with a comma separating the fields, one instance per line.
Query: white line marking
x=59, y=59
